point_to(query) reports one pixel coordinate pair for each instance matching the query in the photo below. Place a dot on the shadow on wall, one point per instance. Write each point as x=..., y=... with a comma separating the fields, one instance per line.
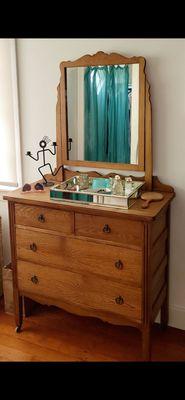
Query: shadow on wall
x=176, y=265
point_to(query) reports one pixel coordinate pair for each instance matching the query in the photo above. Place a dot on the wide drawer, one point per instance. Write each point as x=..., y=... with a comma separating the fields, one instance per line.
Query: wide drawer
x=44, y=218
x=126, y=232
x=88, y=292
x=78, y=255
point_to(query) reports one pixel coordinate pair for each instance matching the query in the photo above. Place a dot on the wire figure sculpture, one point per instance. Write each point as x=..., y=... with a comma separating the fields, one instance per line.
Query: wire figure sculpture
x=43, y=144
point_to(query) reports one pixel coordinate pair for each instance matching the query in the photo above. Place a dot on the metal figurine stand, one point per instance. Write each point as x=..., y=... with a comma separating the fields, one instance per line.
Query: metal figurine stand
x=43, y=143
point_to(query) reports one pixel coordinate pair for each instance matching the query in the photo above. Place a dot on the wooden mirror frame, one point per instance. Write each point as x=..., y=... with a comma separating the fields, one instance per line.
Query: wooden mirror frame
x=145, y=142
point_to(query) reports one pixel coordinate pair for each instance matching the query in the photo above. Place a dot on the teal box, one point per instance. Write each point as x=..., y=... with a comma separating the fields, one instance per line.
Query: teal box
x=100, y=183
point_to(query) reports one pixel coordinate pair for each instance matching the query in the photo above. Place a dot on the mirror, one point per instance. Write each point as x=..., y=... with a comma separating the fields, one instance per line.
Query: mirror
x=103, y=113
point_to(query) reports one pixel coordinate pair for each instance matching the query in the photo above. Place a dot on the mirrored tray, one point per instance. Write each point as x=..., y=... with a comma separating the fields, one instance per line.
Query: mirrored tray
x=99, y=191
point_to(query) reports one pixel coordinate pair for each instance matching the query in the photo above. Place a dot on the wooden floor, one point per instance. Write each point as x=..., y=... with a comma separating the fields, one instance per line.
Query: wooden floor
x=51, y=334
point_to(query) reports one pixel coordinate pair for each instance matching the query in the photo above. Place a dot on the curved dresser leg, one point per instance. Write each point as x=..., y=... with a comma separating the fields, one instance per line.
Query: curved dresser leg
x=18, y=328
x=146, y=343
x=165, y=305
x=18, y=313
x=164, y=314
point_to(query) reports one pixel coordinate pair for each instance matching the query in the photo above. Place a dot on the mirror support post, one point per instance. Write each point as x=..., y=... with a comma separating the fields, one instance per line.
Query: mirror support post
x=148, y=140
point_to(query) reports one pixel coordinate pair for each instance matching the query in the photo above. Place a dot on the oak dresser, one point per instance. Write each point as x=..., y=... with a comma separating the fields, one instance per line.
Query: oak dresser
x=103, y=263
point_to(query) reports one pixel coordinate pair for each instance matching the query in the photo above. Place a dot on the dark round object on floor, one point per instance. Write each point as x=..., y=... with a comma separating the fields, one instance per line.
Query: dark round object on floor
x=39, y=186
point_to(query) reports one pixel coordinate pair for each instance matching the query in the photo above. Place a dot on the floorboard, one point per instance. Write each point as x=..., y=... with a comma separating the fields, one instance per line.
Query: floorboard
x=51, y=334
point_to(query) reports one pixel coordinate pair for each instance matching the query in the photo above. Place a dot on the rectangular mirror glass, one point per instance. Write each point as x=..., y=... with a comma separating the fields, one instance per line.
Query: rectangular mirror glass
x=103, y=113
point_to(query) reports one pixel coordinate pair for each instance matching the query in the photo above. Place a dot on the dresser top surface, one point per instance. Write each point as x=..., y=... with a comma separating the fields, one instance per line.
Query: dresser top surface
x=135, y=211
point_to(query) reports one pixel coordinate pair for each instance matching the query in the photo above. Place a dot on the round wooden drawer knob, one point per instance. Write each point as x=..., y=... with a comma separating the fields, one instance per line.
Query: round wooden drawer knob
x=119, y=300
x=33, y=247
x=119, y=264
x=34, y=279
x=106, y=228
x=41, y=218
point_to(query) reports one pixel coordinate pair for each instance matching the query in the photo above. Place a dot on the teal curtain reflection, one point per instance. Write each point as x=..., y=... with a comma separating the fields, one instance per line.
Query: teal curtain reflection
x=107, y=122
x=95, y=85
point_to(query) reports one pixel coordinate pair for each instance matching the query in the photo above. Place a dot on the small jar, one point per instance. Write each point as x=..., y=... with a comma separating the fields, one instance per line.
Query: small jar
x=117, y=187
x=128, y=184
x=83, y=180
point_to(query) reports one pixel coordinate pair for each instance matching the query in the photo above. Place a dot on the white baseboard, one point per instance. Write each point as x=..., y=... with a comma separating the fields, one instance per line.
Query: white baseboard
x=176, y=317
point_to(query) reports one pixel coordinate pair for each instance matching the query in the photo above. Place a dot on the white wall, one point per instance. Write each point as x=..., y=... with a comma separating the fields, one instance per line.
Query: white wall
x=38, y=66
x=8, y=174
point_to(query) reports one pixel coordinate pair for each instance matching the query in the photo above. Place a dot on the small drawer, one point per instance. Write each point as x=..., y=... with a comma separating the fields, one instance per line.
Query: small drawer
x=95, y=295
x=44, y=218
x=123, y=231
x=82, y=256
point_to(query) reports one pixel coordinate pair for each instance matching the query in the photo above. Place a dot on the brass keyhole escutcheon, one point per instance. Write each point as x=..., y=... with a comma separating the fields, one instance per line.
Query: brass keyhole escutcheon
x=106, y=228
x=33, y=247
x=119, y=300
x=41, y=218
x=34, y=279
x=119, y=264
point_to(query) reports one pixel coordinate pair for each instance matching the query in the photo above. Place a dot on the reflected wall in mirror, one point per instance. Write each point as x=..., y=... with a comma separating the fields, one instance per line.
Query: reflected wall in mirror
x=103, y=113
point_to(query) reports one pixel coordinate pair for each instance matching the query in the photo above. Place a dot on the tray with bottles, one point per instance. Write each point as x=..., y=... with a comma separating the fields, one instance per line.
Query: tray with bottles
x=112, y=192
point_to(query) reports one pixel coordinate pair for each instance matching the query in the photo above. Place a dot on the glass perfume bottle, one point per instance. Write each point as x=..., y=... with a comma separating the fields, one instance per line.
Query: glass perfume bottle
x=110, y=184
x=117, y=187
x=128, y=184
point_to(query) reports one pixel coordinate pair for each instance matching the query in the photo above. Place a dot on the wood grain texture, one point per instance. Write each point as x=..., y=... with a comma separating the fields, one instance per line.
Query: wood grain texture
x=149, y=197
x=158, y=251
x=102, y=58
x=159, y=302
x=158, y=226
x=125, y=232
x=78, y=255
x=148, y=139
x=60, y=174
x=70, y=173
x=159, y=280
x=158, y=185
x=135, y=212
x=146, y=299
x=77, y=272
x=18, y=306
x=165, y=306
x=61, y=221
x=51, y=334
x=89, y=293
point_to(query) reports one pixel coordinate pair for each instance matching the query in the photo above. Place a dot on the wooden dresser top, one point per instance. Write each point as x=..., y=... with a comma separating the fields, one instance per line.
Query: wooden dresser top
x=136, y=211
